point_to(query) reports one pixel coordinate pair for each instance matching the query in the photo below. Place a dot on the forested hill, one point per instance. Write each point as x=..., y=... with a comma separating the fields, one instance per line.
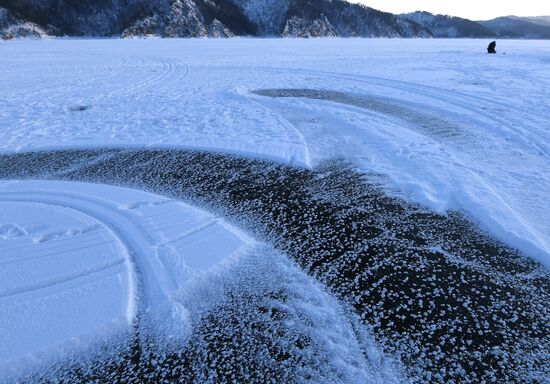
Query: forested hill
x=225, y=18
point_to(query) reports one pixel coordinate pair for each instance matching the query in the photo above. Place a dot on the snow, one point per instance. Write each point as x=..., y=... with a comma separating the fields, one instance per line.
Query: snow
x=74, y=257
x=448, y=126
x=12, y=27
x=58, y=268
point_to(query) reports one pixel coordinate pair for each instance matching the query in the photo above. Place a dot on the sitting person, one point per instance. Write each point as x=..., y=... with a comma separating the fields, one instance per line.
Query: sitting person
x=491, y=47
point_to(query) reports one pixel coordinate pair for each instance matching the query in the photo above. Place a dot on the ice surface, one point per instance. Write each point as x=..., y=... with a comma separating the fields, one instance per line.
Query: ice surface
x=450, y=126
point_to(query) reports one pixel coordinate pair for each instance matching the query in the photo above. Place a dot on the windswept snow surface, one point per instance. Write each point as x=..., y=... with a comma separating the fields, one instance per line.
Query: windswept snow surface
x=446, y=124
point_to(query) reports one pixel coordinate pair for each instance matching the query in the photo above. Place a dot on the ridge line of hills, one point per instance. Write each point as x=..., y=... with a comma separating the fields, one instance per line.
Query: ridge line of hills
x=227, y=18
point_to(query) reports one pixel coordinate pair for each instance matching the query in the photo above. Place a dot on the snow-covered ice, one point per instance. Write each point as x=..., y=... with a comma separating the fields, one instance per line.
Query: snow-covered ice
x=446, y=124
x=63, y=275
x=84, y=266
x=75, y=256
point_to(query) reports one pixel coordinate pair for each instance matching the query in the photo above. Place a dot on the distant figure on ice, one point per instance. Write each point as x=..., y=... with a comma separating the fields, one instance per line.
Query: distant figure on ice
x=491, y=47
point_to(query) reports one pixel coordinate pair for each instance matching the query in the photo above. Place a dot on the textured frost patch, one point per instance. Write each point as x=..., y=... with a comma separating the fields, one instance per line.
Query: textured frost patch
x=265, y=320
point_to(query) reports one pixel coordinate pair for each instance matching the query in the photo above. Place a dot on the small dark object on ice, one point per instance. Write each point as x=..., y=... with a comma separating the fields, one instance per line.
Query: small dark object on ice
x=78, y=108
x=491, y=47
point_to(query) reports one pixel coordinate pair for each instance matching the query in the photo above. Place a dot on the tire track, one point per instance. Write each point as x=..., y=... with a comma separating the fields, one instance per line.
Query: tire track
x=171, y=72
x=82, y=277
x=110, y=218
x=138, y=243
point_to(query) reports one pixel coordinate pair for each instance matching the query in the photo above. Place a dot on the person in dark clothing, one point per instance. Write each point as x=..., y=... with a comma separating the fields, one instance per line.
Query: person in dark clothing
x=491, y=47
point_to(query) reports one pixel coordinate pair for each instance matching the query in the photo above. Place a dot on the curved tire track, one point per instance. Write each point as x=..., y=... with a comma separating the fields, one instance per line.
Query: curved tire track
x=170, y=72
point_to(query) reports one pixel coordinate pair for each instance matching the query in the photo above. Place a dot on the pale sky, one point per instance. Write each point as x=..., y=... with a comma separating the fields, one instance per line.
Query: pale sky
x=470, y=9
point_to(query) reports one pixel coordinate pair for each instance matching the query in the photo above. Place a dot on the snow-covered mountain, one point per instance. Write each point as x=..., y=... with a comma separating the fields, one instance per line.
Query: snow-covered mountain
x=524, y=27
x=69, y=17
x=11, y=26
x=211, y=18
x=223, y=18
x=317, y=18
x=188, y=18
x=448, y=26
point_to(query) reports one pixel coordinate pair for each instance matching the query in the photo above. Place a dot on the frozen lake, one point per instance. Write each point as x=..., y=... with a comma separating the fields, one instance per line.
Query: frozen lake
x=437, y=123
x=449, y=126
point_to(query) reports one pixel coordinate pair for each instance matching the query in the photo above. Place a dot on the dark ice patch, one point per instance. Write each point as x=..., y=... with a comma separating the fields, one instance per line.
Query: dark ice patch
x=429, y=125
x=457, y=305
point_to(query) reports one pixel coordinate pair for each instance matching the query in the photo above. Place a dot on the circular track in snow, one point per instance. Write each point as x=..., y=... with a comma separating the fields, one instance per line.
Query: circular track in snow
x=81, y=261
